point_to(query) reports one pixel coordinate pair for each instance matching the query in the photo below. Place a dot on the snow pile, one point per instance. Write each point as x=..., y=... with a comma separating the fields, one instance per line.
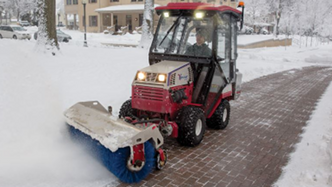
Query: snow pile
x=321, y=59
x=311, y=163
x=329, y=151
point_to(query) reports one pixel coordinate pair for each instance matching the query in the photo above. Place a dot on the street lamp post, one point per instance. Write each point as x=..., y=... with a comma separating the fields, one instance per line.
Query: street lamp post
x=84, y=21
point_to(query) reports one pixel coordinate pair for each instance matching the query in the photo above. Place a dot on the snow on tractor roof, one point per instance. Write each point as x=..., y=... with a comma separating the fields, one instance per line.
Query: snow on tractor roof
x=197, y=6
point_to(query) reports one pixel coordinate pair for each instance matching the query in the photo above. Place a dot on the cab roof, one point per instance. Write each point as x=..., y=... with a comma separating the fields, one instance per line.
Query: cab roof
x=196, y=6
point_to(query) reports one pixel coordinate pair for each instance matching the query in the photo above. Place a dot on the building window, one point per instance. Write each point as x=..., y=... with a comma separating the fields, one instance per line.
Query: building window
x=133, y=0
x=68, y=2
x=114, y=0
x=93, y=21
x=139, y=0
x=107, y=20
x=75, y=2
x=92, y=1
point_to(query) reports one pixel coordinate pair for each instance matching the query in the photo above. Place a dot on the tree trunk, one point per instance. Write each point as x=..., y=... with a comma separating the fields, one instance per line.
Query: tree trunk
x=49, y=14
x=47, y=29
x=277, y=17
x=147, y=26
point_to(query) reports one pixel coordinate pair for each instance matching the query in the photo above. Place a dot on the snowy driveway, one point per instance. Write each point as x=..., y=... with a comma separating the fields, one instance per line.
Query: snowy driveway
x=265, y=125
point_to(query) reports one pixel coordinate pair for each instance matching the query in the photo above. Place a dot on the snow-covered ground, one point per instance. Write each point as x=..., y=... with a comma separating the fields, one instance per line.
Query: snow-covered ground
x=36, y=88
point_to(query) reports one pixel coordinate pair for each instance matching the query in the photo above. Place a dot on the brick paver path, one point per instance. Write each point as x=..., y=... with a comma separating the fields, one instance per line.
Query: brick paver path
x=265, y=125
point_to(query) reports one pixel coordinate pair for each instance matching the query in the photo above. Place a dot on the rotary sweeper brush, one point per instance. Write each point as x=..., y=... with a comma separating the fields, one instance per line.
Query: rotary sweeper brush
x=191, y=79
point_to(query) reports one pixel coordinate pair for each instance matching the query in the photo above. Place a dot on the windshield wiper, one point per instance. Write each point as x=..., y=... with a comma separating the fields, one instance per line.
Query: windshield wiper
x=169, y=30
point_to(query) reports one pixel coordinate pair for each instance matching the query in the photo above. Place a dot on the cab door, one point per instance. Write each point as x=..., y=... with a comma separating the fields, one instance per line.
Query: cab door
x=9, y=32
x=225, y=51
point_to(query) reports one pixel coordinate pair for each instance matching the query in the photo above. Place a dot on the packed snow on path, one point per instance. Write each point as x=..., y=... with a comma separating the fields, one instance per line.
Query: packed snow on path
x=36, y=88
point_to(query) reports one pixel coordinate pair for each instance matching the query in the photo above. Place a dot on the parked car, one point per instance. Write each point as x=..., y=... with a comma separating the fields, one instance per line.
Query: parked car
x=263, y=31
x=60, y=24
x=246, y=30
x=62, y=37
x=24, y=23
x=14, y=31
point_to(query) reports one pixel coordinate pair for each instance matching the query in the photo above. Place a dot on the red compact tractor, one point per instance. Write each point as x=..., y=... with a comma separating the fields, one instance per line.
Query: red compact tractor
x=191, y=78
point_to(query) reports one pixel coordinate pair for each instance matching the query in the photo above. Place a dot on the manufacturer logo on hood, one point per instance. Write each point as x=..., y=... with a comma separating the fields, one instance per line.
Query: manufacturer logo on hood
x=185, y=77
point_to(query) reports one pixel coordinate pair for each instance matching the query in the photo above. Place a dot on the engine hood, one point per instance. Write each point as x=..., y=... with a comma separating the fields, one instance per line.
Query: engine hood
x=164, y=67
x=176, y=74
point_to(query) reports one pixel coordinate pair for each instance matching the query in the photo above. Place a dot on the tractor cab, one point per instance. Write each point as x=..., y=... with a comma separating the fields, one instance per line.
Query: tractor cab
x=213, y=63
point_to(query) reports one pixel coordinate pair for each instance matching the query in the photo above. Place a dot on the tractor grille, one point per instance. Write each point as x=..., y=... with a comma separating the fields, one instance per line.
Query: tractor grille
x=148, y=93
x=151, y=77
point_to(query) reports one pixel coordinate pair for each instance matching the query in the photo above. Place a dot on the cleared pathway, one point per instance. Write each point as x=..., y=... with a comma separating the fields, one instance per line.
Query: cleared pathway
x=265, y=124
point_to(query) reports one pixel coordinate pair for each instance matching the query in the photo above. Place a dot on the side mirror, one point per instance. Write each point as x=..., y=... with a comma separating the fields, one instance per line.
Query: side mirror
x=241, y=5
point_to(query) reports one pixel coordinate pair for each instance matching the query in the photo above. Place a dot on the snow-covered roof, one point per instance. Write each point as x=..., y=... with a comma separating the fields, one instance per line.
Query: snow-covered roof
x=122, y=8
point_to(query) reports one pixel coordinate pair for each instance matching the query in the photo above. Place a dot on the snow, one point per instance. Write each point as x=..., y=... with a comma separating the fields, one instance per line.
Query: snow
x=248, y=39
x=36, y=88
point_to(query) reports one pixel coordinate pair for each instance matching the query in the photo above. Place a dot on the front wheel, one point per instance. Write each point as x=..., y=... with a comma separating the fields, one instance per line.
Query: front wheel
x=191, y=126
x=126, y=110
x=0, y=36
x=14, y=37
x=220, y=118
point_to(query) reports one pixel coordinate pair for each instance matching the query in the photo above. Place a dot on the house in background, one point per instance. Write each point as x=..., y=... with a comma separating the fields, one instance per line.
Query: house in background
x=71, y=13
x=101, y=14
x=60, y=14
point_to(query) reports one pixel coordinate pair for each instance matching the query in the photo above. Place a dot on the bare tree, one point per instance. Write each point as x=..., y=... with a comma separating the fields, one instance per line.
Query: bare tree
x=20, y=7
x=255, y=11
x=280, y=8
x=47, y=28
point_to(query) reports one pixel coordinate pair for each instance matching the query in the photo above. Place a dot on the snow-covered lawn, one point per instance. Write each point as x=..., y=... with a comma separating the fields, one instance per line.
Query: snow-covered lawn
x=35, y=89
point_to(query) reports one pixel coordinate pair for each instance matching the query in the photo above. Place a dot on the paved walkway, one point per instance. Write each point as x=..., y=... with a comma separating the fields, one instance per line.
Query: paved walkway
x=265, y=125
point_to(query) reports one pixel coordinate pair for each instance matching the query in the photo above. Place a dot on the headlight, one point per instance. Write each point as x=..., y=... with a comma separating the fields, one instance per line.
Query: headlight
x=161, y=78
x=199, y=15
x=166, y=14
x=141, y=76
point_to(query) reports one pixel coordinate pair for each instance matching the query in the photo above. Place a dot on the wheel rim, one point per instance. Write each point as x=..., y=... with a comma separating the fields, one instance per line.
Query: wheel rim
x=199, y=126
x=132, y=167
x=224, y=116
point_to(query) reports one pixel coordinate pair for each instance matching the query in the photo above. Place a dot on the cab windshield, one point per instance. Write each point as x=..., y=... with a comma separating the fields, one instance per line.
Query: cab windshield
x=185, y=35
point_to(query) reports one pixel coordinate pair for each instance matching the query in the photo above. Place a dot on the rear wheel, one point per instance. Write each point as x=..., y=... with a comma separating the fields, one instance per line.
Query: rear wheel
x=126, y=110
x=0, y=36
x=191, y=126
x=220, y=118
